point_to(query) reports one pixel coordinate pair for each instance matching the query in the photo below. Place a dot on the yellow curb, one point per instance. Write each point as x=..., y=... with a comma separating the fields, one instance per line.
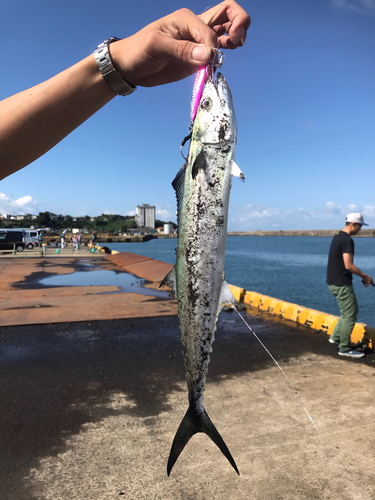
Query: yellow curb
x=317, y=320
x=238, y=293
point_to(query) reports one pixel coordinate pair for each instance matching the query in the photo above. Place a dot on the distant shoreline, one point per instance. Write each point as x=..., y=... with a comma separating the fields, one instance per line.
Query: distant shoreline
x=365, y=233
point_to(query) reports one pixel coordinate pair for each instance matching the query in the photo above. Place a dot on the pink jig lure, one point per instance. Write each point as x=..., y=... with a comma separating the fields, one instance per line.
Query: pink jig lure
x=197, y=92
x=208, y=72
x=200, y=78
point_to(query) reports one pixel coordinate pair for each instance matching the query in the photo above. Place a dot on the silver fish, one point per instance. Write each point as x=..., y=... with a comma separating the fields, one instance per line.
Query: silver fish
x=202, y=188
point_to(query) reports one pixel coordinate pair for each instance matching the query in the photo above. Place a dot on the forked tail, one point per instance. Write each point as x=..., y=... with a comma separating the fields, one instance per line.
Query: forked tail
x=192, y=423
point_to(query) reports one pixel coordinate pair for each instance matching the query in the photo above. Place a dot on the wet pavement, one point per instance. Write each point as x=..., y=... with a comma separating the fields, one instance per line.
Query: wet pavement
x=89, y=409
x=76, y=288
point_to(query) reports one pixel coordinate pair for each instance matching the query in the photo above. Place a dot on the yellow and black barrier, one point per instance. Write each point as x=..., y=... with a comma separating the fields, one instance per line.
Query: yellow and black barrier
x=310, y=318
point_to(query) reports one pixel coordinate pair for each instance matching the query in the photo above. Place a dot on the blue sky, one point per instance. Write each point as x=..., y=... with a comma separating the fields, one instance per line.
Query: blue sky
x=304, y=93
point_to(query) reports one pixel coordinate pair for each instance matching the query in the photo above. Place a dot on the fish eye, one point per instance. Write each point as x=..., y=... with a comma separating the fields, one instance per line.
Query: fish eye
x=206, y=103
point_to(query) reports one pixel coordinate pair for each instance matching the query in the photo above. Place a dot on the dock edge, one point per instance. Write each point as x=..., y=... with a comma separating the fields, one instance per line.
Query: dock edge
x=316, y=320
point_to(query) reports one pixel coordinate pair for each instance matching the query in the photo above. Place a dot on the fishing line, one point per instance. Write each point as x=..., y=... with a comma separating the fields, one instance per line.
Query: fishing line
x=277, y=364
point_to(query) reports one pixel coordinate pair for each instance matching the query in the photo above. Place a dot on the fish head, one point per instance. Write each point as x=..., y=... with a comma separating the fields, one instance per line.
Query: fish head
x=215, y=121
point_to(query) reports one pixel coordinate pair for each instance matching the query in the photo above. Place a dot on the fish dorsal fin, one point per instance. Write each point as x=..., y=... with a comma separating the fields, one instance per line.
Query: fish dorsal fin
x=170, y=280
x=226, y=296
x=236, y=171
x=178, y=185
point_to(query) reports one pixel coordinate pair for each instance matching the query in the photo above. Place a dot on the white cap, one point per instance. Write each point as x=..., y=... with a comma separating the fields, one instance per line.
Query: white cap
x=355, y=217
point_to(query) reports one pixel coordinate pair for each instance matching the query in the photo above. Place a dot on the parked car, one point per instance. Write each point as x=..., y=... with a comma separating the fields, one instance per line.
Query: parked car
x=10, y=238
x=28, y=240
x=33, y=234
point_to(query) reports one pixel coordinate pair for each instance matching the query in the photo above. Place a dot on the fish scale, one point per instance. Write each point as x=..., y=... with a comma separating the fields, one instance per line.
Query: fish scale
x=202, y=189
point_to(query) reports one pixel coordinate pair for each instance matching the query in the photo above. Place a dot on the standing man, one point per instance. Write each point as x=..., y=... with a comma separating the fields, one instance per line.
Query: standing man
x=93, y=240
x=340, y=272
x=62, y=236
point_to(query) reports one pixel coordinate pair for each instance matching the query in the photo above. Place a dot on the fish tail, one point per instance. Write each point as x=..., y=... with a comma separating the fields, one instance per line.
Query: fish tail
x=196, y=421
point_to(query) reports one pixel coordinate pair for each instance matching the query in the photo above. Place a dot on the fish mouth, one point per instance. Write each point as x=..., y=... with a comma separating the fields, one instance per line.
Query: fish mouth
x=222, y=88
x=219, y=81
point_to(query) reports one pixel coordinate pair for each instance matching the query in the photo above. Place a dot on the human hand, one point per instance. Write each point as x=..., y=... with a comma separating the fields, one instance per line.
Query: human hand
x=179, y=44
x=367, y=281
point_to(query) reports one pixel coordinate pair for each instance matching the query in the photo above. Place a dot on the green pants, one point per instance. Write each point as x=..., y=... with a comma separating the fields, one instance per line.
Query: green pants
x=347, y=302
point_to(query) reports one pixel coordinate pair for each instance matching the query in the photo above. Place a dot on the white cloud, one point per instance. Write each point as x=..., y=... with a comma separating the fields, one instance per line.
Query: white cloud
x=131, y=213
x=334, y=208
x=330, y=215
x=163, y=214
x=366, y=7
x=369, y=211
x=21, y=206
x=353, y=208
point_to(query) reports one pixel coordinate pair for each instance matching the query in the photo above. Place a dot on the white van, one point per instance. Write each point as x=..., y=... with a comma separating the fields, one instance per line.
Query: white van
x=34, y=235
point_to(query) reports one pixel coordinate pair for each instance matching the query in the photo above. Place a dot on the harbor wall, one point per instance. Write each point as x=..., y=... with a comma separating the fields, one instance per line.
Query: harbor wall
x=364, y=233
x=105, y=238
x=317, y=320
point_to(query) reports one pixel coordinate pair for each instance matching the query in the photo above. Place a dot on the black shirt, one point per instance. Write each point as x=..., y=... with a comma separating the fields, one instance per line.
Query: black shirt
x=336, y=272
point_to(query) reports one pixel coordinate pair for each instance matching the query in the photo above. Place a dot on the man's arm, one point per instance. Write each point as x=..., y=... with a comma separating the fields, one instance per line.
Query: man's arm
x=348, y=263
x=170, y=49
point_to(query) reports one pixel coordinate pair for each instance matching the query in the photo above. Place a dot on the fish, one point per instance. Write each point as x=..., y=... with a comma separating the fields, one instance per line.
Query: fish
x=202, y=188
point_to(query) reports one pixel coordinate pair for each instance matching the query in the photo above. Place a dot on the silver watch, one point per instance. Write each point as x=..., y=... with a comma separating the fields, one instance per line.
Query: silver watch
x=114, y=79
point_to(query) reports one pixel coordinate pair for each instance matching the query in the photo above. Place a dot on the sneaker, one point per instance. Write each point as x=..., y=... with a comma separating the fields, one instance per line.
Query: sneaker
x=351, y=354
x=333, y=341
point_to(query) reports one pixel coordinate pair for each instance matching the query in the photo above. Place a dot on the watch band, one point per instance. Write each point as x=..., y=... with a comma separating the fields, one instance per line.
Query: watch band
x=109, y=73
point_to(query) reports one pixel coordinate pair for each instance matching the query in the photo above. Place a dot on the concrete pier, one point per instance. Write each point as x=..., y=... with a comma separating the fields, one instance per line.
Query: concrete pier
x=90, y=405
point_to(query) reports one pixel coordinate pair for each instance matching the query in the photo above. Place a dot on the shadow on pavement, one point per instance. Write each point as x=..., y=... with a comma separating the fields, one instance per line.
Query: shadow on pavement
x=56, y=378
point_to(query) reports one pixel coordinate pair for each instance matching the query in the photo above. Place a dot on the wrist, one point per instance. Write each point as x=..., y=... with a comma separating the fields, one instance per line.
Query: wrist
x=109, y=70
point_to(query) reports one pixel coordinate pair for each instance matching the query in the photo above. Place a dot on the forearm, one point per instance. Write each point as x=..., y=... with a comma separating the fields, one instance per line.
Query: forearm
x=354, y=270
x=35, y=120
x=167, y=50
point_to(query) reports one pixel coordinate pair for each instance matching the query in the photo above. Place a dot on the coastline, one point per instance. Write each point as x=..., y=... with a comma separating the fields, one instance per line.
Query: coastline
x=365, y=233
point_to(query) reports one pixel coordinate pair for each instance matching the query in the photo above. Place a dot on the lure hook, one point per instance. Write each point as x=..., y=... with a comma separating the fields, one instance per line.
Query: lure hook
x=184, y=141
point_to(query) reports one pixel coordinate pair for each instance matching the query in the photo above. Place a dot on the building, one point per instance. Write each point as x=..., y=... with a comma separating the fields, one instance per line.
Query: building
x=145, y=216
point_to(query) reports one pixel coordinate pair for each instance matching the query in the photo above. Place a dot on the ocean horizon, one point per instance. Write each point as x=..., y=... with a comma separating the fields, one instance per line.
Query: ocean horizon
x=291, y=268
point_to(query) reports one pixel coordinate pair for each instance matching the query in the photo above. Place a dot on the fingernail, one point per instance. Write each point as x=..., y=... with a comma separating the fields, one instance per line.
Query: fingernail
x=201, y=53
x=238, y=35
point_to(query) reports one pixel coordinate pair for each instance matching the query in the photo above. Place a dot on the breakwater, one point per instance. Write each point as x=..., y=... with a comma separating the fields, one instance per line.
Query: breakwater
x=317, y=320
x=105, y=238
x=365, y=233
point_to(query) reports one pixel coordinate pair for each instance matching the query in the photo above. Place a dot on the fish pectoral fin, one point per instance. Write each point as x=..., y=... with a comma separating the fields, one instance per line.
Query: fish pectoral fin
x=192, y=423
x=236, y=171
x=226, y=296
x=170, y=280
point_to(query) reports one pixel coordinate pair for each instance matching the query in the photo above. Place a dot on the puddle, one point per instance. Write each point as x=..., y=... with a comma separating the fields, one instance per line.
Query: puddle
x=126, y=282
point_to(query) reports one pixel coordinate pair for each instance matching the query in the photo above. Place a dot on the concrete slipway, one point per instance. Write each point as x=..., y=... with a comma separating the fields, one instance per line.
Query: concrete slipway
x=89, y=407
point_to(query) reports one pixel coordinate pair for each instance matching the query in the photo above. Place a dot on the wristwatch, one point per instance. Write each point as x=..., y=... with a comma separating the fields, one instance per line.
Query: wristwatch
x=114, y=79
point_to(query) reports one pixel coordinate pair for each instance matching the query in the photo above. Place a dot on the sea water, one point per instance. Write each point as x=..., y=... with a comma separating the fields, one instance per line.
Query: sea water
x=290, y=268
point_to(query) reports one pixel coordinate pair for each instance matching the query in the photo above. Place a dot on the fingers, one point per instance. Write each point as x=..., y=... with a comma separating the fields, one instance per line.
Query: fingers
x=179, y=44
x=228, y=17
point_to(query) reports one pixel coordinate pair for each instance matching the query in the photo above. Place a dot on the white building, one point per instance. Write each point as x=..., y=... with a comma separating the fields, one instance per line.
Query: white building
x=145, y=216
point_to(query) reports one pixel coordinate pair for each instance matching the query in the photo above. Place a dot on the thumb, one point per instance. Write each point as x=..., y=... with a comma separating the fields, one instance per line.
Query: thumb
x=194, y=54
x=200, y=54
